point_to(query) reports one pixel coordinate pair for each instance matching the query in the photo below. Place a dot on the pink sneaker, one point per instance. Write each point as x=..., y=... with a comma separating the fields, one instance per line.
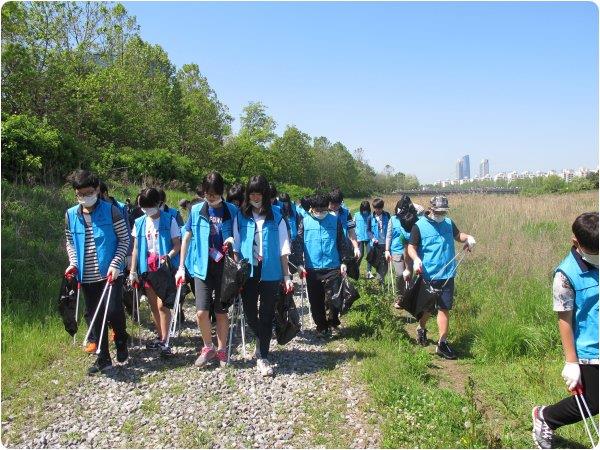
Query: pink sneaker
x=222, y=357
x=206, y=355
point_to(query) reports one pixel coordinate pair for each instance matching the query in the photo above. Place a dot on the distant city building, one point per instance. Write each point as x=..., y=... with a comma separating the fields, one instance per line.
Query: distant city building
x=459, y=169
x=466, y=167
x=484, y=168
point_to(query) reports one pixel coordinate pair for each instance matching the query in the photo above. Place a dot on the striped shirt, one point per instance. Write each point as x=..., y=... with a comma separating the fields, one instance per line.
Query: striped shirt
x=91, y=269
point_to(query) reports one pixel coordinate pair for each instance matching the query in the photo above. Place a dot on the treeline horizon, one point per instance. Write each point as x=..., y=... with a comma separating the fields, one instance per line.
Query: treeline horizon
x=82, y=89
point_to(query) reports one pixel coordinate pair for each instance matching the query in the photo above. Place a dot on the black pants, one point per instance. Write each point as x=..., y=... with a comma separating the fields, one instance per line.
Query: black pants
x=363, y=246
x=566, y=411
x=316, y=298
x=116, y=314
x=383, y=265
x=260, y=317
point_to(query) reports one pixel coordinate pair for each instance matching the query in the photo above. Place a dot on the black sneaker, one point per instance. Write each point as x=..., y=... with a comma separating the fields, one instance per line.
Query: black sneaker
x=165, y=350
x=154, y=344
x=100, y=366
x=122, y=350
x=422, y=336
x=444, y=350
x=324, y=334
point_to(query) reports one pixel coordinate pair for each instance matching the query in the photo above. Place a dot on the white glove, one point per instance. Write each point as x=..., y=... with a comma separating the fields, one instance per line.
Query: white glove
x=133, y=278
x=301, y=272
x=289, y=285
x=113, y=273
x=470, y=242
x=229, y=241
x=356, y=252
x=180, y=275
x=343, y=270
x=406, y=275
x=571, y=373
x=417, y=265
x=388, y=255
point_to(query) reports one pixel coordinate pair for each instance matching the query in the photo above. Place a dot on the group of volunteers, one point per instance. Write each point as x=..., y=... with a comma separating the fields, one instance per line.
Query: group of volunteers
x=123, y=244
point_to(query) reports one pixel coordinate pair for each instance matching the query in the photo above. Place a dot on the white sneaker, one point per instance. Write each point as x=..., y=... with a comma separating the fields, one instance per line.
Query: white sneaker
x=264, y=367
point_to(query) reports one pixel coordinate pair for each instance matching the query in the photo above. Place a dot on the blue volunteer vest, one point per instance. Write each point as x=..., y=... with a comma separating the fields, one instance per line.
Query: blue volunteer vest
x=196, y=260
x=436, y=249
x=362, y=226
x=342, y=216
x=585, y=310
x=320, y=242
x=104, y=235
x=301, y=212
x=165, y=244
x=398, y=237
x=385, y=217
x=271, y=263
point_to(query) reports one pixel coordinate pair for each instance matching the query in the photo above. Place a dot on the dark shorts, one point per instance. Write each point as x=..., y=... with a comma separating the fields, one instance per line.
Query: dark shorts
x=447, y=298
x=204, y=289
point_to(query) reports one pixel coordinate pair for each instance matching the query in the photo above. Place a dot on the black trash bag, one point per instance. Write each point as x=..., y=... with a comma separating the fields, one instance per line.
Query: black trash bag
x=420, y=297
x=407, y=213
x=287, y=319
x=67, y=304
x=128, y=298
x=333, y=291
x=349, y=295
x=233, y=279
x=163, y=283
x=375, y=257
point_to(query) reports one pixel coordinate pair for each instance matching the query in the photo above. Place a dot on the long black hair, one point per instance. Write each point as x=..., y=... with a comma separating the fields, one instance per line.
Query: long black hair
x=257, y=184
x=365, y=207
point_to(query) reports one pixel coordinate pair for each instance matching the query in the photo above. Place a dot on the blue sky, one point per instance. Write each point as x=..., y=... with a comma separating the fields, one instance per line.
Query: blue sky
x=416, y=85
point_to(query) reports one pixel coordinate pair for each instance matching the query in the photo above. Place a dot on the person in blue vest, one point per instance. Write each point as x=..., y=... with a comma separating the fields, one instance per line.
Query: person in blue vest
x=208, y=237
x=363, y=232
x=97, y=240
x=166, y=208
x=235, y=194
x=396, y=241
x=379, y=226
x=575, y=297
x=320, y=241
x=273, y=193
x=289, y=213
x=430, y=249
x=155, y=236
x=261, y=236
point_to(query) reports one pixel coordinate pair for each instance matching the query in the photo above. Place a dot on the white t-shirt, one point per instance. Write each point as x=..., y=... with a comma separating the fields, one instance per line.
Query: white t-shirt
x=257, y=251
x=152, y=226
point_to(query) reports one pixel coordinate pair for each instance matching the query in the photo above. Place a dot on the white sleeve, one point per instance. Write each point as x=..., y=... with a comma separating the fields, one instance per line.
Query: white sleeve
x=175, y=230
x=284, y=239
x=236, y=236
x=134, y=231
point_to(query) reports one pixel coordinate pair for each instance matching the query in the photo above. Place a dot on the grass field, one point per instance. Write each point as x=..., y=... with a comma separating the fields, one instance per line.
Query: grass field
x=503, y=324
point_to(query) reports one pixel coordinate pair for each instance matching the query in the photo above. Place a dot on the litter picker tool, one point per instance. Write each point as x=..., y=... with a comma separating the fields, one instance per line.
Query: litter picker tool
x=109, y=283
x=303, y=296
x=87, y=335
x=175, y=313
x=237, y=319
x=580, y=399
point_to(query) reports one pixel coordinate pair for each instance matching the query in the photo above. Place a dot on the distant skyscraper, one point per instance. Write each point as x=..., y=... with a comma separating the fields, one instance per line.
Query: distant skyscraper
x=459, y=169
x=484, y=168
x=466, y=167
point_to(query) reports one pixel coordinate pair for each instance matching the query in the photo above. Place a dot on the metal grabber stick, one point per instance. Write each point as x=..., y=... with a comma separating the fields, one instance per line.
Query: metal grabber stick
x=580, y=399
x=173, y=324
x=91, y=326
x=109, y=282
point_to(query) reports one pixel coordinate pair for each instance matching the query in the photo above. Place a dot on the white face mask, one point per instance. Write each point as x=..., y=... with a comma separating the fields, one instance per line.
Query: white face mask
x=592, y=259
x=256, y=204
x=150, y=211
x=439, y=218
x=88, y=200
x=319, y=215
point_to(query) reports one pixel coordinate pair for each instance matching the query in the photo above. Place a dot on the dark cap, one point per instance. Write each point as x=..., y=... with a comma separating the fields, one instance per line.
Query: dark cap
x=439, y=203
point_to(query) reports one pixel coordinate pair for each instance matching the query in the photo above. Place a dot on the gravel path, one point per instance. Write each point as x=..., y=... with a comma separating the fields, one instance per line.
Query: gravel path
x=313, y=401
